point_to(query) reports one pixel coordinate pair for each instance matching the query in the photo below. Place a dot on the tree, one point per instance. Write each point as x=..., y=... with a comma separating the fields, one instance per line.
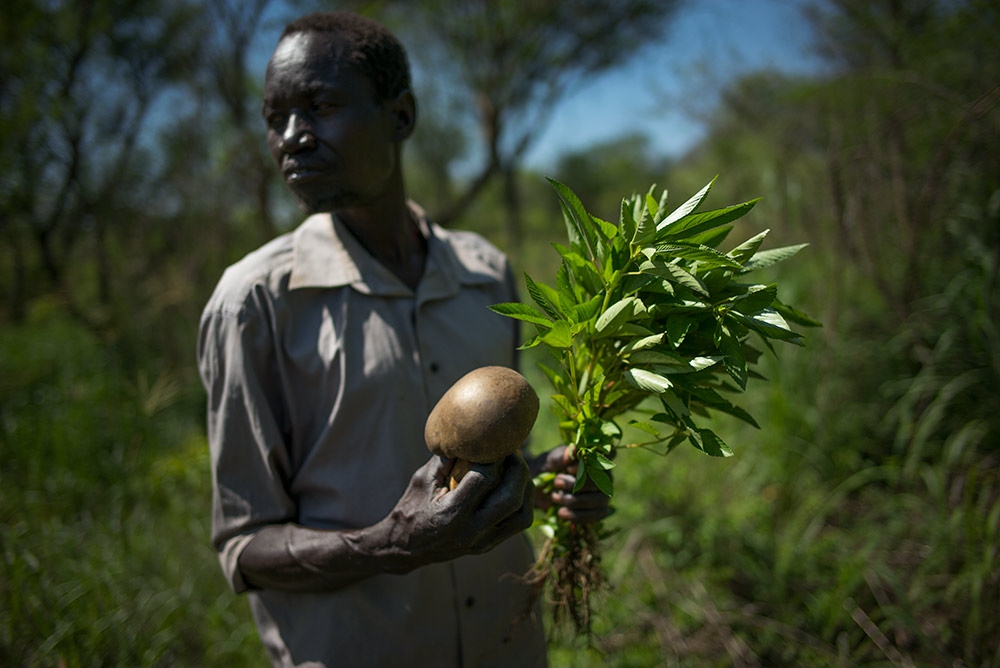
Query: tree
x=910, y=114
x=606, y=173
x=80, y=81
x=513, y=61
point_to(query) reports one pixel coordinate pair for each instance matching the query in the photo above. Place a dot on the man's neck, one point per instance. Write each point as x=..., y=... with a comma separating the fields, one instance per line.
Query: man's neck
x=392, y=236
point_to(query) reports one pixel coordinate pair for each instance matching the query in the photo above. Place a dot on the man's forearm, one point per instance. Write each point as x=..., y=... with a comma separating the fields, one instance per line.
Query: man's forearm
x=291, y=557
x=429, y=524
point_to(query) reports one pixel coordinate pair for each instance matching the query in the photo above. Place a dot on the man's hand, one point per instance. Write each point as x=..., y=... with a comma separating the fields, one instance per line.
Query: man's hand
x=588, y=505
x=428, y=524
x=491, y=503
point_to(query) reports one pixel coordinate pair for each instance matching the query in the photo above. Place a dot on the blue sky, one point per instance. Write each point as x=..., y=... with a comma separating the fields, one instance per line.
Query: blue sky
x=661, y=92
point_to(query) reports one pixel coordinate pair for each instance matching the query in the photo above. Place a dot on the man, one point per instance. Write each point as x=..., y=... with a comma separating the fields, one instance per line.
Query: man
x=322, y=354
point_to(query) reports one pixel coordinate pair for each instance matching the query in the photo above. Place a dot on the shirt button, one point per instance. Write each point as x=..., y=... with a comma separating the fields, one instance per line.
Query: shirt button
x=434, y=368
x=469, y=602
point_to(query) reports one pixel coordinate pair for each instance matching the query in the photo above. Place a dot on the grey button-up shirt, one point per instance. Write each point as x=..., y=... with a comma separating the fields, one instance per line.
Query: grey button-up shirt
x=321, y=368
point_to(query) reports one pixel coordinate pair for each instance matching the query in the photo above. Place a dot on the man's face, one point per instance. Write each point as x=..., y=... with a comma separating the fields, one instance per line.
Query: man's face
x=335, y=144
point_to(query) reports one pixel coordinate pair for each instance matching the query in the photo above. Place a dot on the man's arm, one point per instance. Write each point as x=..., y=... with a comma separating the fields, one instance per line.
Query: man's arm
x=429, y=524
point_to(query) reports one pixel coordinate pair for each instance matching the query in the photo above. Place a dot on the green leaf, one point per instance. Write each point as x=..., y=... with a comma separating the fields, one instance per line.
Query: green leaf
x=520, y=311
x=657, y=357
x=699, y=223
x=795, y=315
x=686, y=208
x=607, y=230
x=773, y=256
x=772, y=318
x=616, y=316
x=564, y=288
x=602, y=480
x=703, y=362
x=647, y=225
x=581, y=269
x=627, y=221
x=665, y=418
x=643, y=343
x=544, y=296
x=675, y=406
x=769, y=324
x=646, y=427
x=559, y=336
x=651, y=205
x=677, y=329
x=712, y=238
x=696, y=253
x=556, y=378
x=564, y=404
x=634, y=329
x=609, y=428
x=675, y=274
x=577, y=219
x=647, y=283
x=648, y=381
x=603, y=462
x=732, y=349
x=756, y=299
x=710, y=443
x=581, y=474
x=661, y=204
x=715, y=401
x=745, y=250
x=530, y=343
x=587, y=310
x=676, y=440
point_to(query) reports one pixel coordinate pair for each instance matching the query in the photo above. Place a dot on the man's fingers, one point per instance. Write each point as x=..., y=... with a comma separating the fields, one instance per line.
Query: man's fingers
x=566, y=483
x=508, y=497
x=588, y=505
x=585, y=516
x=513, y=524
x=477, y=483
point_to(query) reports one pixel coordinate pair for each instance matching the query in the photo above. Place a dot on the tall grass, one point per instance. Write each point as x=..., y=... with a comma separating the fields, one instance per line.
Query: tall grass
x=104, y=494
x=859, y=527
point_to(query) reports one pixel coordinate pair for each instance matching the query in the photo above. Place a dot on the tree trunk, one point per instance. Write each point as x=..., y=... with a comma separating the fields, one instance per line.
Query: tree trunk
x=512, y=206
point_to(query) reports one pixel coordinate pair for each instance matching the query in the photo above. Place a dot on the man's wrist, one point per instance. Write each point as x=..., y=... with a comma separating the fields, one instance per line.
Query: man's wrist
x=379, y=546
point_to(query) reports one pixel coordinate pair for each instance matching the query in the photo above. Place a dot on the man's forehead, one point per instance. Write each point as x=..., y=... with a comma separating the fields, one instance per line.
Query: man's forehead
x=310, y=48
x=293, y=47
x=306, y=60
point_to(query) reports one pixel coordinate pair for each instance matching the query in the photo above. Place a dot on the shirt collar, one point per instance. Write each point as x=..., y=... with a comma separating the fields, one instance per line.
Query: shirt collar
x=327, y=255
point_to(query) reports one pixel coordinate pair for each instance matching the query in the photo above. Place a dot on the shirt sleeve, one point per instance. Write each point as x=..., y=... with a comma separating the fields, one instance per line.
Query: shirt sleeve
x=249, y=454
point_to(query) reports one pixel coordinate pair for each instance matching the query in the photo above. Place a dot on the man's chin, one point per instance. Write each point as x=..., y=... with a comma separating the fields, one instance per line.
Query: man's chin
x=325, y=204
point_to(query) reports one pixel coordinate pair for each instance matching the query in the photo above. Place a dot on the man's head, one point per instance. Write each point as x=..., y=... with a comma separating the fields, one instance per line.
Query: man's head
x=367, y=46
x=338, y=107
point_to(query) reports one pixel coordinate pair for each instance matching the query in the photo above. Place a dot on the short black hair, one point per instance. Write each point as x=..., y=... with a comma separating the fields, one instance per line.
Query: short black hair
x=373, y=50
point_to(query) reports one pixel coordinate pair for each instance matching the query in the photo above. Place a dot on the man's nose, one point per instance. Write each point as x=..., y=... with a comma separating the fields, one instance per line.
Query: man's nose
x=298, y=133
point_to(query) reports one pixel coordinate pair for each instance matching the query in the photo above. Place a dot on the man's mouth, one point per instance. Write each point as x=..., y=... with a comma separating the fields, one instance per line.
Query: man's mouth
x=300, y=172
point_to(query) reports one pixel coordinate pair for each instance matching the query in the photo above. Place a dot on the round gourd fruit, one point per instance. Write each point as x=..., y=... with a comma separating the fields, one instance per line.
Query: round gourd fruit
x=485, y=416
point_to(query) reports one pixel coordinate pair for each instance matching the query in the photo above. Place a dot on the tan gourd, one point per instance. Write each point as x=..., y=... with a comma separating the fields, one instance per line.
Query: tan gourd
x=485, y=416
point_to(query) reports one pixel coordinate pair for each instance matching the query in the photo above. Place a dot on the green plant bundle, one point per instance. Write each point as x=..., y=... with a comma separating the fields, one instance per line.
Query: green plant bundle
x=646, y=309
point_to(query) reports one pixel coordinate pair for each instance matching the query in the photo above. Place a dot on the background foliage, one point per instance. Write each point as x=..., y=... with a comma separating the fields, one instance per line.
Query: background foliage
x=859, y=527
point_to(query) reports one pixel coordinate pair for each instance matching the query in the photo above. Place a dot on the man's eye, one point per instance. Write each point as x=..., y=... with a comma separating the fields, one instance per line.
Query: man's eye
x=276, y=122
x=323, y=107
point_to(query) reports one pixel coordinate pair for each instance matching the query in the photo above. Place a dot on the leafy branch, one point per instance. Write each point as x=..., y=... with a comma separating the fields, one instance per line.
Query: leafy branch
x=646, y=309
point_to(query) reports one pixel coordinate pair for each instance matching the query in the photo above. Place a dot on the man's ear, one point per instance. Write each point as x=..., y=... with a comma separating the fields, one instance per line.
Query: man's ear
x=404, y=115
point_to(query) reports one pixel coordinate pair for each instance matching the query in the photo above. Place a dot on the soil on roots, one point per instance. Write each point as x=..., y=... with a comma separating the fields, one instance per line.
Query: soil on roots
x=569, y=566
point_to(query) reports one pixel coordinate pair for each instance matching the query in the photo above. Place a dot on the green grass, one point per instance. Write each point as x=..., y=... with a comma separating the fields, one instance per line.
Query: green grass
x=798, y=551
x=104, y=509
x=786, y=556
